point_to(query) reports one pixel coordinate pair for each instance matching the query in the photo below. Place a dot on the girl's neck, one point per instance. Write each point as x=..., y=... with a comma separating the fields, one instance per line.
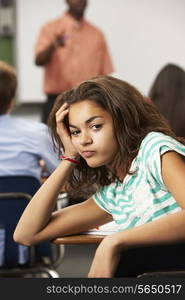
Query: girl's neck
x=119, y=173
x=121, y=176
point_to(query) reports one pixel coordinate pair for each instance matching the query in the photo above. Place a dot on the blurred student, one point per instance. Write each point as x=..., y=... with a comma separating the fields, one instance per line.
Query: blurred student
x=23, y=144
x=168, y=94
x=70, y=50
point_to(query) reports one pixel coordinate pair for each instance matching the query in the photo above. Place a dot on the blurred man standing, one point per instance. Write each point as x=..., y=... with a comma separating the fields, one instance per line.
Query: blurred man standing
x=71, y=50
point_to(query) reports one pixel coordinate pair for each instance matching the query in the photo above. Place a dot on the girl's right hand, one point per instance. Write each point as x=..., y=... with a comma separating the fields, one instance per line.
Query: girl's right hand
x=63, y=131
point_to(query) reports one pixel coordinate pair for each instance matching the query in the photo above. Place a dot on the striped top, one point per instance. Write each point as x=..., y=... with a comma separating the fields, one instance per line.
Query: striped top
x=143, y=196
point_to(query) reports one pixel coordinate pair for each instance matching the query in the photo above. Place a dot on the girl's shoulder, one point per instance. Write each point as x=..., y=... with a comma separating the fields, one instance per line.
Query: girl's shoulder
x=154, y=137
x=157, y=143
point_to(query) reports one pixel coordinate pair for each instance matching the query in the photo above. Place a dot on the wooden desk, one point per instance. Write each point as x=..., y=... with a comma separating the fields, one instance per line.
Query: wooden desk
x=79, y=239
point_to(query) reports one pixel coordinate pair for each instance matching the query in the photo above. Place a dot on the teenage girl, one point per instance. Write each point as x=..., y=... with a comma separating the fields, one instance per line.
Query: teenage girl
x=121, y=146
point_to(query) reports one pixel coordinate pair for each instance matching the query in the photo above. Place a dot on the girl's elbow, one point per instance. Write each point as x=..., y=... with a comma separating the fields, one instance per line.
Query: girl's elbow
x=18, y=238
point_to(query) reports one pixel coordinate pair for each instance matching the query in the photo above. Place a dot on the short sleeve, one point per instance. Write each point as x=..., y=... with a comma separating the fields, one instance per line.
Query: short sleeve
x=100, y=198
x=156, y=145
x=45, y=37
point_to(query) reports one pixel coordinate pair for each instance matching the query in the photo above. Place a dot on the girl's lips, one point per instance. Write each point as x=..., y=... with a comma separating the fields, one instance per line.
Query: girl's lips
x=88, y=154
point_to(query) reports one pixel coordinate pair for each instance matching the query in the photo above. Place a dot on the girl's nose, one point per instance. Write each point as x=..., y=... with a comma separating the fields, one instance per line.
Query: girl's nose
x=85, y=139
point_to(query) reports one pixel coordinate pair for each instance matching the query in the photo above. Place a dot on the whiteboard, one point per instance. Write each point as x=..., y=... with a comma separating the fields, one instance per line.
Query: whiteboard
x=142, y=35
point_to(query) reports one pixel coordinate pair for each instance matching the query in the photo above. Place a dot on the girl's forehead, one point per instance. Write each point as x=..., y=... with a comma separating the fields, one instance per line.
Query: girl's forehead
x=85, y=106
x=83, y=110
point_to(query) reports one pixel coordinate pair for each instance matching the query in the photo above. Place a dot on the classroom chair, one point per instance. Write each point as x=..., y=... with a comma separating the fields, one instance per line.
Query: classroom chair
x=17, y=260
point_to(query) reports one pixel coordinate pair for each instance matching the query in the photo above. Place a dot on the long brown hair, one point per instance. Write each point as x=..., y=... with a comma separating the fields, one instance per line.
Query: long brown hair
x=168, y=94
x=133, y=119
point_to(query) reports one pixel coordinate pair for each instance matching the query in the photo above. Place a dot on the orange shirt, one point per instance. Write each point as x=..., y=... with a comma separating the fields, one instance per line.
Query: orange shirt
x=84, y=55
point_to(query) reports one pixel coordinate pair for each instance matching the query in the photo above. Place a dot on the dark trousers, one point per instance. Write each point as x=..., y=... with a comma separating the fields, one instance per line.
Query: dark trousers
x=47, y=107
x=147, y=259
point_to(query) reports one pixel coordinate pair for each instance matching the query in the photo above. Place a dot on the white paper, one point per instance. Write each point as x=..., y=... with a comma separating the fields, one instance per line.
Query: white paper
x=105, y=229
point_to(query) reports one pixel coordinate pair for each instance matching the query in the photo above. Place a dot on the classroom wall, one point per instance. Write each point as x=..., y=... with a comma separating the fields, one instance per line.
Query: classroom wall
x=6, y=49
x=142, y=35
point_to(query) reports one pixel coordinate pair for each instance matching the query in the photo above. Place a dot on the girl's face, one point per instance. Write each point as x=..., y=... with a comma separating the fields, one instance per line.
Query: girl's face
x=92, y=133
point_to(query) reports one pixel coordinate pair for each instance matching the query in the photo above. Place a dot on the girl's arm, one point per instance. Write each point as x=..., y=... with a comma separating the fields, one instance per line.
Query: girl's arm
x=38, y=223
x=166, y=230
x=171, y=228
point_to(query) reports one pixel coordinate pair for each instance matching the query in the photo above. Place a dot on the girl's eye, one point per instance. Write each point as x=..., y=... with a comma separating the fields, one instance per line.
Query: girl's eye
x=97, y=126
x=75, y=132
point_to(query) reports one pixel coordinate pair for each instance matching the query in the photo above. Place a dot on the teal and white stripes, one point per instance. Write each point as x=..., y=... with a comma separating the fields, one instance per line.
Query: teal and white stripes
x=142, y=197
